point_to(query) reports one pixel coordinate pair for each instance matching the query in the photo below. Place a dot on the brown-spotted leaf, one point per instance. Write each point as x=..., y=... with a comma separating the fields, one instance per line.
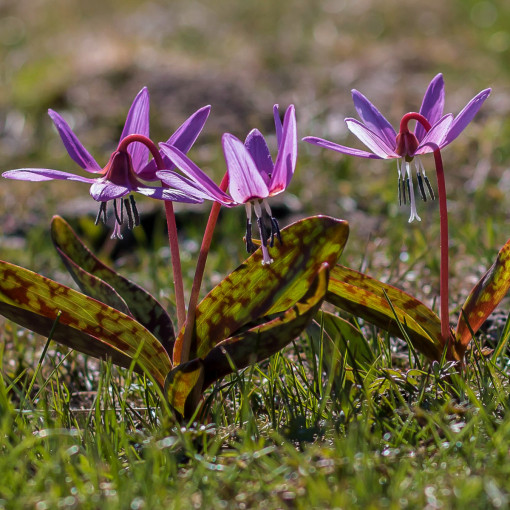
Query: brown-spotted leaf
x=369, y=302
x=104, y=284
x=254, y=290
x=85, y=324
x=484, y=297
x=262, y=341
x=183, y=387
x=421, y=313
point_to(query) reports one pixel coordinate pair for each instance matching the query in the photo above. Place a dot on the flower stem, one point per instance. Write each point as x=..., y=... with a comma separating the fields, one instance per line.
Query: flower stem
x=182, y=355
x=443, y=226
x=171, y=224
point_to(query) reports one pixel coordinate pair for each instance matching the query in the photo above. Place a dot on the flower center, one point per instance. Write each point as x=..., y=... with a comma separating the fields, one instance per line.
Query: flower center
x=407, y=143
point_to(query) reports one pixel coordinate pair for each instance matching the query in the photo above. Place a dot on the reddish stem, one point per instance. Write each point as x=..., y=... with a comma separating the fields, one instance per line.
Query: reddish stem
x=443, y=225
x=172, y=227
x=182, y=355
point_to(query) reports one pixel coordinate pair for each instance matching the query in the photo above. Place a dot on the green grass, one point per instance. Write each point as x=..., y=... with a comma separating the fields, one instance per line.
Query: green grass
x=280, y=435
x=300, y=430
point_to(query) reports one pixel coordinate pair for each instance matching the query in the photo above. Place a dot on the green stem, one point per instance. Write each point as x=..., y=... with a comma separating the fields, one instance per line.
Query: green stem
x=185, y=346
x=173, y=240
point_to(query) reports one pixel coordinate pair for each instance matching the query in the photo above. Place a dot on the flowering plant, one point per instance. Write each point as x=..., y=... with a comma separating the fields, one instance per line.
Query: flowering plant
x=276, y=292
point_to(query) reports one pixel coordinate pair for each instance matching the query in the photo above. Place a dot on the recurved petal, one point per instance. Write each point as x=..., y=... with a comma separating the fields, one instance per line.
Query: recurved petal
x=257, y=147
x=160, y=193
x=376, y=144
x=73, y=146
x=432, y=105
x=245, y=181
x=277, y=124
x=183, y=139
x=287, y=154
x=326, y=144
x=177, y=181
x=200, y=180
x=188, y=132
x=104, y=190
x=373, y=118
x=466, y=116
x=44, y=174
x=137, y=122
x=435, y=136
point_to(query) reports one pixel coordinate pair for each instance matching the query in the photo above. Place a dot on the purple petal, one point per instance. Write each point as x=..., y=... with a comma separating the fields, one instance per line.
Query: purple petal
x=137, y=122
x=201, y=180
x=433, y=139
x=285, y=163
x=432, y=105
x=73, y=146
x=277, y=124
x=179, y=182
x=183, y=139
x=466, y=116
x=377, y=145
x=188, y=132
x=103, y=190
x=259, y=151
x=339, y=148
x=160, y=193
x=246, y=183
x=43, y=174
x=148, y=172
x=373, y=118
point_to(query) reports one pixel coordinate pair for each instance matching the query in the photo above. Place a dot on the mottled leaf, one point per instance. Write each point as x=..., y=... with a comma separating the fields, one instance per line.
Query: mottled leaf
x=262, y=341
x=85, y=324
x=103, y=283
x=421, y=313
x=254, y=290
x=484, y=297
x=183, y=386
x=365, y=297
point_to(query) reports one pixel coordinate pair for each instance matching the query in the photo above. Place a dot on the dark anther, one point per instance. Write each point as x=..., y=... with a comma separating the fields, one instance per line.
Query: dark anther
x=117, y=217
x=408, y=186
x=422, y=189
x=135, y=210
x=102, y=212
x=275, y=231
x=429, y=187
x=129, y=213
x=399, y=191
x=262, y=230
x=250, y=247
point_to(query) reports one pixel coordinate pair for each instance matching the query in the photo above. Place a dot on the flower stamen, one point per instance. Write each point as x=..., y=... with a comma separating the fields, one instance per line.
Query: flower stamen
x=263, y=234
x=135, y=210
x=101, y=212
x=127, y=205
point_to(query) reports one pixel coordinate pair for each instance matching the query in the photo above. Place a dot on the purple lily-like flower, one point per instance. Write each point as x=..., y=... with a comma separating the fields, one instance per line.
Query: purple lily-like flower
x=253, y=177
x=128, y=166
x=384, y=142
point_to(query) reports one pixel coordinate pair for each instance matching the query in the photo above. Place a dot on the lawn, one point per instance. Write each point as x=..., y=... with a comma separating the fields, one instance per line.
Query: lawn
x=301, y=429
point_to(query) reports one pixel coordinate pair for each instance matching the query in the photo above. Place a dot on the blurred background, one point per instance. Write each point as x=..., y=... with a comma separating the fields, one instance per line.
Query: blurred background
x=87, y=60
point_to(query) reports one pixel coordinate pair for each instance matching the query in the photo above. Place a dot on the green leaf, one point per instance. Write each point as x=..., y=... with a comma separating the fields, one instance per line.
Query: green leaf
x=339, y=335
x=263, y=340
x=186, y=382
x=183, y=387
x=254, y=290
x=104, y=284
x=85, y=324
x=364, y=297
x=483, y=298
